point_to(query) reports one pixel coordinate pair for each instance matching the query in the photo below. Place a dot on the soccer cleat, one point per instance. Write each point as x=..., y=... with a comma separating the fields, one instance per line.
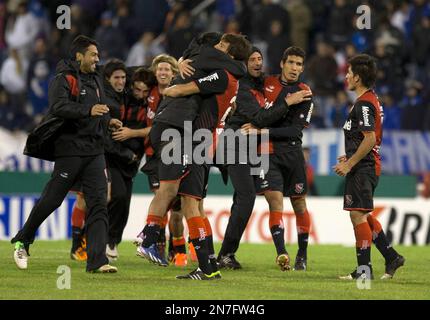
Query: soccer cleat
x=300, y=264
x=151, y=253
x=180, y=260
x=229, y=262
x=107, y=268
x=112, y=252
x=283, y=261
x=79, y=248
x=391, y=267
x=79, y=254
x=192, y=250
x=200, y=275
x=139, y=239
x=355, y=276
x=20, y=255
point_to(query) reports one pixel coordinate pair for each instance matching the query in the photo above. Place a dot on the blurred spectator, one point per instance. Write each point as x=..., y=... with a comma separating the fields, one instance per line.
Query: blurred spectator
x=400, y=18
x=110, y=39
x=322, y=76
x=3, y=22
x=392, y=113
x=232, y=26
x=421, y=48
x=125, y=22
x=6, y=111
x=277, y=42
x=149, y=15
x=21, y=30
x=143, y=51
x=39, y=75
x=339, y=23
x=413, y=109
x=339, y=111
x=13, y=79
x=301, y=23
x=178, y=38
x=267, y=12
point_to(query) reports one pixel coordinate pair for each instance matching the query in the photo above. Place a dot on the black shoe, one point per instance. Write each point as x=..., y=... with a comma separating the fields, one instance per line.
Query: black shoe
x=199, y=275
x=228, y=262
x=355, y=276
x=301, y=263
x=391, y=267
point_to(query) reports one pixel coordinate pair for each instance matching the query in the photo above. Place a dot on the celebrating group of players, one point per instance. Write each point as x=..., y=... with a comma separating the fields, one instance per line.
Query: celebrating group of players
x=99, y=127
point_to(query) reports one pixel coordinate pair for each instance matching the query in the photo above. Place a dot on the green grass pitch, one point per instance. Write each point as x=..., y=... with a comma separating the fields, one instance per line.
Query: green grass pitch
x=260, y=278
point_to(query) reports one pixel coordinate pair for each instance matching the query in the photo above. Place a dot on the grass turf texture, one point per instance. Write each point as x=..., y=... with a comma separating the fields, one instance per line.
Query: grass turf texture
x=260, y=278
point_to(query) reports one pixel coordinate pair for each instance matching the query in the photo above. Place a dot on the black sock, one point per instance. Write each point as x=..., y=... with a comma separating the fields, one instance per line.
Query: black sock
x=151, y=233
x=363, y=258
x=76, y=238
x=384, y=247
x=211, y=253
x=278, y=239
x=201, y=247
x=303, y=244
x=161, y=242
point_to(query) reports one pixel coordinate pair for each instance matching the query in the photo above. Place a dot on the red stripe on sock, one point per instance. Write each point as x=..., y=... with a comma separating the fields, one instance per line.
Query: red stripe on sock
x=303, y=222
x=207, y=227
x=275, y=219
x=363, y=235
x=78, y=217
x=153, y=219
x=196, y=228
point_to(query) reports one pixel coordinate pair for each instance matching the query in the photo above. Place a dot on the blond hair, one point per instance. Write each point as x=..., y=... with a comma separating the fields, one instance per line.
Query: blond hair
x=167, y=59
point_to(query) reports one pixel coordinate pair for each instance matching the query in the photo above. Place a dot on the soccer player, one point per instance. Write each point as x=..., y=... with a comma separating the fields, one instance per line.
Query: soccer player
x=362, y=167
x=76, y=95
x=217, y=91
x=250, y=106
x=287, y=174
x=164, y=68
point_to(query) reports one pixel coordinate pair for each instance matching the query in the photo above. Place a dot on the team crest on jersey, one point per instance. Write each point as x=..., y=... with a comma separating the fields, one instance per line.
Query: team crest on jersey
x=348, y=200
x=270, y=88
x=151, y=99
x=299, y=187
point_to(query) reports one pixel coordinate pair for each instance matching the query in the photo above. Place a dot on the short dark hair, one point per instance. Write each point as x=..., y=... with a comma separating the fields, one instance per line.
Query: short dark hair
x=365, y=67
x=239, y=47
x=80, y=44
x=144, y=75
x=112, y=66
x=293, y=51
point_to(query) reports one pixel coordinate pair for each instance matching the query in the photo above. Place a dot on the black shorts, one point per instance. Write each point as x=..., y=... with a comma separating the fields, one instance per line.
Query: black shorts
x=286, y=174
x=195, y=183
x=150, y=168
x=173, y=162
x=359, y=190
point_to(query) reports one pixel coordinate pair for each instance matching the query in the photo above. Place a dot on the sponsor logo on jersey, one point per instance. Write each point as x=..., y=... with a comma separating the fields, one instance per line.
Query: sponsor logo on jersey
x=209, y=78
x=366, y=116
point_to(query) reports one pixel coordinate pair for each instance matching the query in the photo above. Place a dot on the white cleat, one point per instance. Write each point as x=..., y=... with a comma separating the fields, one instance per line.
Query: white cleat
x=20, y=256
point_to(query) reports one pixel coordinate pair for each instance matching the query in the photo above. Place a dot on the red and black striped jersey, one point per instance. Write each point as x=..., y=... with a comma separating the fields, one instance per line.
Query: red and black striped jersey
x=365, y=115
x=288, y=130
x=154, y=99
